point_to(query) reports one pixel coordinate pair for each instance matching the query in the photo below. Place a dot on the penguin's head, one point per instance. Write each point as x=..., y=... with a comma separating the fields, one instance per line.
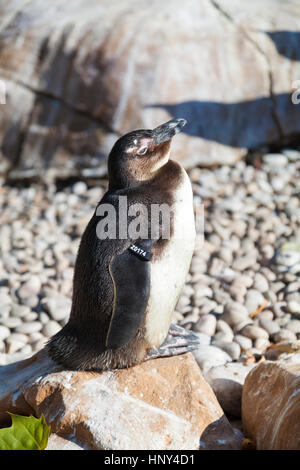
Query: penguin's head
x=137, y=156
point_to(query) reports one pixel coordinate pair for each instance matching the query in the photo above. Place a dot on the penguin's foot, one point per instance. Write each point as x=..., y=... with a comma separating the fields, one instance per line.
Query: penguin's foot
x=178, y=341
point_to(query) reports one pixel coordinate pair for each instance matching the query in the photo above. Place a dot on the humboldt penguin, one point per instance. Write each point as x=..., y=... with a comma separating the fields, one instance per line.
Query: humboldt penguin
x=132, y=263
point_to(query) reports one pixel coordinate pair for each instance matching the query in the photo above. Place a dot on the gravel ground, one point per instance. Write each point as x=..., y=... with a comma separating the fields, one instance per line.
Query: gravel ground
x=249, y=263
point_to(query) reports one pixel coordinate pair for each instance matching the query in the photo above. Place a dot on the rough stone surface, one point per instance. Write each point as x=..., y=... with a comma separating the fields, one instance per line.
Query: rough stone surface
x=271, y=405
x=86, y=75
x=160, y=404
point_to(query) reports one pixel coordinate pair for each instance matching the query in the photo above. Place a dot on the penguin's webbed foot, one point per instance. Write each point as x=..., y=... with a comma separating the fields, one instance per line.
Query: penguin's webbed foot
x=178, y=341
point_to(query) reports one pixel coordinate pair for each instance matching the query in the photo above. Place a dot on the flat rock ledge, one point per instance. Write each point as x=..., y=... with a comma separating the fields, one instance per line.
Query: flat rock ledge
x=160, y=404
x=271, y=405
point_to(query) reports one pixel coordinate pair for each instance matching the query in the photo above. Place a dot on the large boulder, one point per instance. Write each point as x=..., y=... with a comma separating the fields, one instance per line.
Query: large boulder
x=271, y=405
x=160, y=404
x=77, y=78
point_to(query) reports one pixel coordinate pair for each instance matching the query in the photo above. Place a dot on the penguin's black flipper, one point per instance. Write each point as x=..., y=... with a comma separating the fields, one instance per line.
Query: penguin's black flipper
x=130, y=273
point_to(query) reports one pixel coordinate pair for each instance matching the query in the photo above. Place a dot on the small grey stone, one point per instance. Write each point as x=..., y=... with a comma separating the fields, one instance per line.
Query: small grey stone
x=29, y=327
x=224, y=327
x=31, y=316
x=58, y=307
x=284, y=335
x=279, y=309
x=254, y=299
x=204, y=339
x=261, y=343
x=14, y=346
x=17, y=337
x=294, y=326
x=233, y=349
x=80, y=188
x=275, y=160
x=234, y=313
x=29, y=288
x=293, y=307
x=206, y=324
x=260, y=283
x=265, y=315
x=51, y=328
x=243, y=262
x=209, y=356
x=4, y=332
x=19, y=310
x=222, y=336
x=244, y=342
x=254, y=332
x=11, y=322
x=270, y=326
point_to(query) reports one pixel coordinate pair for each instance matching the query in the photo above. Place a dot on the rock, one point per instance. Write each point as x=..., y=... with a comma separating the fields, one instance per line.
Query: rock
x=294, y=326
x=206, y=324
x=210, y=356
x=4, y=332
x=19, y=310
x=271, y=327
x=245, y=343
x=284, y=334
x=275, y=159
x=159, y=404
x=58, y=306
x=254, y=299
x=254, y=332
x=271, y=405
x=234, y=313
x=233, y=349
x=261, y=344
x=244, y=262
x=11, y=322
x=227, y=382
x=260, y=283
x=30, y=288
x=83, y=97
x=293, y=307
x=51, y=328
x=29, y=327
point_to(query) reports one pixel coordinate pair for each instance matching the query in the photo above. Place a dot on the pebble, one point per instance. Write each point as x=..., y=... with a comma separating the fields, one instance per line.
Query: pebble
x=283, y=335
x=275, y=160
x=11, y=322
x=269, y=326
x=210, y=356
x=231, y=348
x=244, y=262
x=58, y=307
x=4, y=332
x=244, y=342
x=260, y=283
x=29, y=327
x=51, y=328
x=254, y=332
x=234, y=313
x=294, y=326
x=206, y=324
x=254, y=299
x=293, y=307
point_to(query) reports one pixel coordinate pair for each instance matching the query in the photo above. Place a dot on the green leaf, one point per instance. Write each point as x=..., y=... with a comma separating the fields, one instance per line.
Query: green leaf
x=25, y=433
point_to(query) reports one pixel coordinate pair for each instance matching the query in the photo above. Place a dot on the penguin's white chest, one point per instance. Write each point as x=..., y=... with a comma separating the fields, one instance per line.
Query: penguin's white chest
x=169, y=271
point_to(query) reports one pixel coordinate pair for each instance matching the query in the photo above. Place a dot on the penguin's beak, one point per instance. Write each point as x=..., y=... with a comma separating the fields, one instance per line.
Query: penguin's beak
x=166, y=131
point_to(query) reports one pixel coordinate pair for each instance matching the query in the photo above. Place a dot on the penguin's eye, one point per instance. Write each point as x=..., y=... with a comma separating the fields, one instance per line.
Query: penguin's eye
x=142, y=150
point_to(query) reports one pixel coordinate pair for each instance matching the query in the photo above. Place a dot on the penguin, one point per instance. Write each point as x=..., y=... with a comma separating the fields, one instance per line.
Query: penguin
x=128, y=278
